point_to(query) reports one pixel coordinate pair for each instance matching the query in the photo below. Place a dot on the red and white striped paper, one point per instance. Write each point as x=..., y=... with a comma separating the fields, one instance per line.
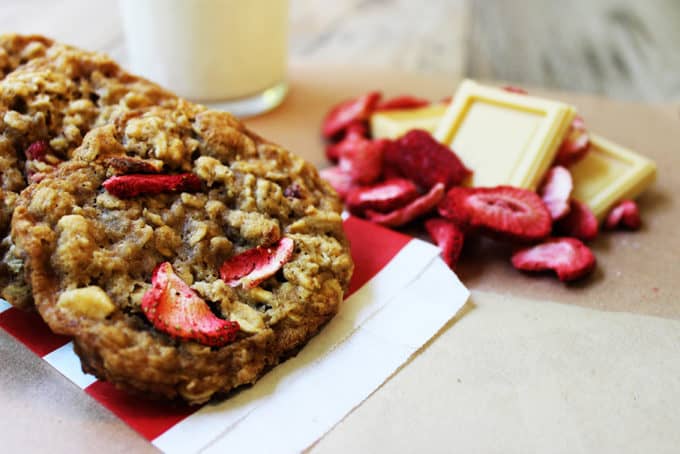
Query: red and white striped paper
x=401, y=294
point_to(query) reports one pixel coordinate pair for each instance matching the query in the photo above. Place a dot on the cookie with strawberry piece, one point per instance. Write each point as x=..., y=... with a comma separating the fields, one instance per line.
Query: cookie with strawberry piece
x=190, y=278
x=51, y=95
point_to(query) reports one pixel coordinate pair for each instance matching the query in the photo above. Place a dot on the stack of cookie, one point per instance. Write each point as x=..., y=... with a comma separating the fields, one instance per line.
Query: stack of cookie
x=184, y=254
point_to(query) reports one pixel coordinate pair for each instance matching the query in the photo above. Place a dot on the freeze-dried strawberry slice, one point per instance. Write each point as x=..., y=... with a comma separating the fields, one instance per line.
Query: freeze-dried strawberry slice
x=253, y=266
x=38, y=151
x=568, y=257
x=340, y=180
x=575, y=146
x=625, y=214
x=517, y=90
x=419, y=157
x=556, y=191
x=417, y=208
x=502, y=211
x=580, y=223
x=362, y=158
x=448, y=236
x=403, y=102
x=353, y=135
x=343, y=114
x=385, y=196
x=175, y=309
x=127, y=186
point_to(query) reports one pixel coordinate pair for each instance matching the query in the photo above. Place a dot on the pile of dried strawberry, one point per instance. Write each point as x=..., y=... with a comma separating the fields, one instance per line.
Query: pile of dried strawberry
x=396, y=182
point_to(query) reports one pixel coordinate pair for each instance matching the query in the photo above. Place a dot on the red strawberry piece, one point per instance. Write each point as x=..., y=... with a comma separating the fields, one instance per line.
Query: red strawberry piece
x=124, y=165
x=580, y=223
x=340, y=180
x=556, y=191
x=417, y=208
x=502, y=211
x=389, y=171
x=575, y=146
x=354, y=132
x=347, y=112
x=453, y=206
x=568, y=257
x=517, y=90
x=448, y=236
x=403, y=102
x=385, y=196
x=419, y=157
x=253, y=266
x=362, y=158
x=127, y=186
x=625, y=214
x=175, y=309
x=38, y=151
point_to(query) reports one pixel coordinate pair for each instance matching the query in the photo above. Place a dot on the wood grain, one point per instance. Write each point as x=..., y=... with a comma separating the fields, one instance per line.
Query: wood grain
x=619, y=48
x=624, y=49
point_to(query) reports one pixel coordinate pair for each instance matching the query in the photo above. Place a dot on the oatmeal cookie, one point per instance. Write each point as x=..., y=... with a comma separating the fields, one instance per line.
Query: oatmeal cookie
x=184, y=254
x=51, y=95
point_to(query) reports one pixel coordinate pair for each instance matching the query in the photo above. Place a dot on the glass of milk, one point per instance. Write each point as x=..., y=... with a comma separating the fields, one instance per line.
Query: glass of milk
x=228, y=54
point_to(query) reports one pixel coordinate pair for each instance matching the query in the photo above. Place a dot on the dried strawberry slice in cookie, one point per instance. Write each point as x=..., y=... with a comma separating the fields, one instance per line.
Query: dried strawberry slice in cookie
x=38, y=151
x=134, y=185
x=556, y=191
x=419, y=157
x=253, y=266
x=385, y=196
x=502, y=211
x=174, y=308
x=347, y=112
x=625, y=214
x=580, y=223
x=575, y=145
x=403, y=102
x=417, y=208
x=40, y=160
x=568, y=257
x=448, y=236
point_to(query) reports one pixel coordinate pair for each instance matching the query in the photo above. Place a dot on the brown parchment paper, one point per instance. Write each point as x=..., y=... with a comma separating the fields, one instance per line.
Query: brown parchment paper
x=515, y=372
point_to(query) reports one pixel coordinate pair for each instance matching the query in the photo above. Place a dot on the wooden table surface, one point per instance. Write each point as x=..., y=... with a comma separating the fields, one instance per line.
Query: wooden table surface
x=624, y=49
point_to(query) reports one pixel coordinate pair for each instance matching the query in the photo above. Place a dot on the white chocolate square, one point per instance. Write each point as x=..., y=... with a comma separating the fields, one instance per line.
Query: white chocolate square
x=505, y=138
